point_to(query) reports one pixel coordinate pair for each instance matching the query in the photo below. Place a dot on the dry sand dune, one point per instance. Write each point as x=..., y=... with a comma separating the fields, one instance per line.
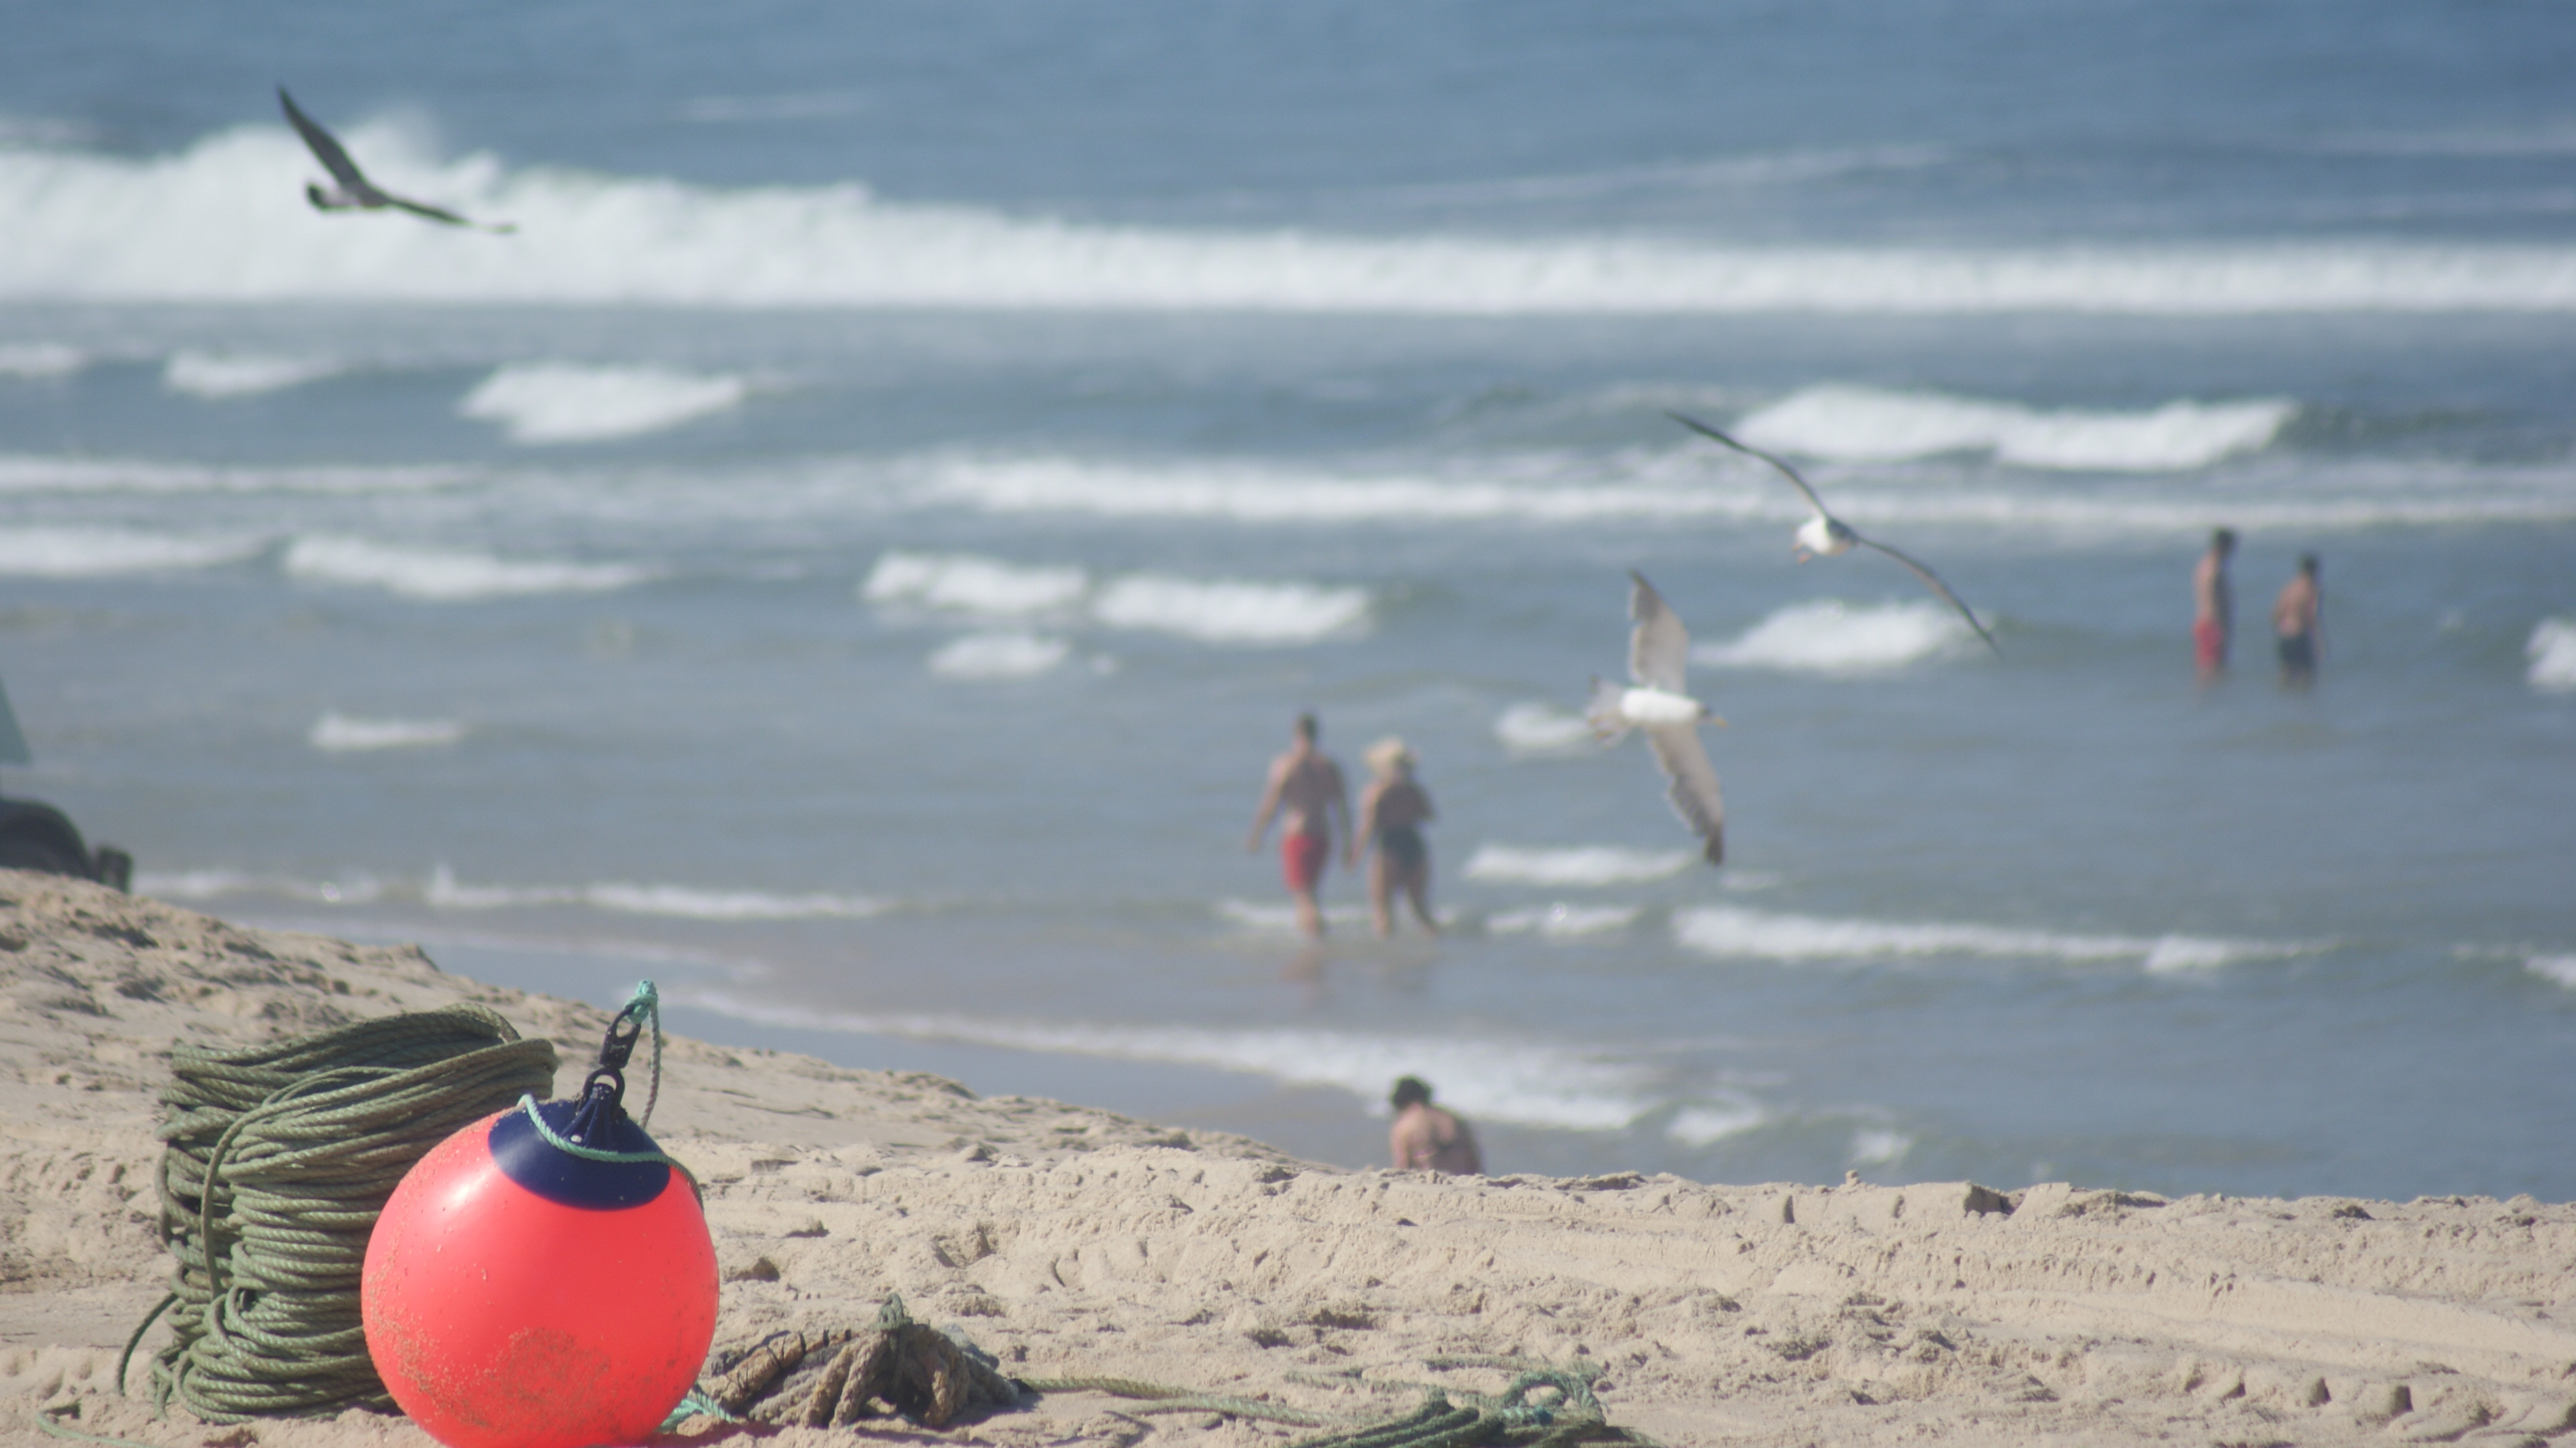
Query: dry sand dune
x=1069, y=1241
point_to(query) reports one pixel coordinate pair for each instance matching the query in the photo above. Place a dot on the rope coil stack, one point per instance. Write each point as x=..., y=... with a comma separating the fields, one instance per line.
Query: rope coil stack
x=277, y=1160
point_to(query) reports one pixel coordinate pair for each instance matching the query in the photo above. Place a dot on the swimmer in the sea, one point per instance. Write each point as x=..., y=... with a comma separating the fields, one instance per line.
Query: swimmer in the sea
x=2299, y=622
x=2213, y=615
x=1305, y=790
x=1426, y=1137
x=1393, y=810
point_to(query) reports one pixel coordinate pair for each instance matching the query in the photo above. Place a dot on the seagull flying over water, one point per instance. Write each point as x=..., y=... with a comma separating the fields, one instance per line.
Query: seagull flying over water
x=351, y=190
x=1828, y=535
x=1658, y=653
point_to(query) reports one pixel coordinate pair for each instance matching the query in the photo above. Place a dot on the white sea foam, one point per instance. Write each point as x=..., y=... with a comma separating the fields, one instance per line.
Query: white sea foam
x=93, y=552
x=2552, y=651
x=998, y=656
x=1525, y=1083
x=553, y=402
x=1247, y=493
x=1531, y=727
x=1563, y=921
x=209, y=224
x=1734, y=932
x=1706, y=1123
x=40, y=474
x=339, y=733
x=1865, y=424
x=1826, y=636
x=1282, y=918
x=1877, y=1146
x=214, y=884
x=40, y=359
x=1575, y=865
x=445, y=892
x=229, y=374
x=969, y=584
x=2558, y=968
x=1227, y=611
x=446, y=575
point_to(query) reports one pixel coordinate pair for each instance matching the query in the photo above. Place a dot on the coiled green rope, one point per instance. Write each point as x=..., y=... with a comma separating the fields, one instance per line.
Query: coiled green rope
x=277, y=1159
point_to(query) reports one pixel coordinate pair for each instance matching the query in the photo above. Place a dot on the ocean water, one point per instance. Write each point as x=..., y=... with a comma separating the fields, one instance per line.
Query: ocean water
x=850, y=554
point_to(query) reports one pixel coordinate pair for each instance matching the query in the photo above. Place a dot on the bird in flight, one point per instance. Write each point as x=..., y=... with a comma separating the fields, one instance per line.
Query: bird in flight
x=1658, y=653
x=351, y=190
x=1828, y=535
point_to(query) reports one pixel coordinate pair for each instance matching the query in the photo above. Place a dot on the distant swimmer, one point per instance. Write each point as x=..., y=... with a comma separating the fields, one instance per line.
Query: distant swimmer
x=2299, y=622
x=2213, y=608
x=352, y=190
x=1393, y=810
x=1658, y=654
x=1829, y=536
x=1305, y=789
x=1427, y=1137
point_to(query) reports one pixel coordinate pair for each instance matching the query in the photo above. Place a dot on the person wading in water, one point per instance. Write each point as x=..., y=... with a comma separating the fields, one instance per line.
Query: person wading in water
x=1393, y=810
x=1305, y=789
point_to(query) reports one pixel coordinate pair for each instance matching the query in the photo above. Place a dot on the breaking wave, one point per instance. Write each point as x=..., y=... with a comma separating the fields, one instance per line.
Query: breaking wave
x=2560, y=969
x=555, y=402
x=998, y=656
x=40, y=359
x=1865, y=424
x=338, y=733
x=1227, y=611
x=214, y=223
x=1732, y=932
x=1532, y=727
x=2552, y=651
x=226, y=374
x=1521, y=1082
x=969, y=584
x=446, y=575
x=1577, y=865
x=679, y=901
x=96, y=552
x=1562, y=921
x=1829, y=637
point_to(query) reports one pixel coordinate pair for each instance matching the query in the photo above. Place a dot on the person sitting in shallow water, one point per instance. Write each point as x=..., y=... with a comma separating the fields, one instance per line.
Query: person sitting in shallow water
x=1393, y=810
x=1428, y=1138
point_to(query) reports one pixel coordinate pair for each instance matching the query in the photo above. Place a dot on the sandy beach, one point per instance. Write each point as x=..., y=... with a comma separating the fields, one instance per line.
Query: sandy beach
x=1068, y=1241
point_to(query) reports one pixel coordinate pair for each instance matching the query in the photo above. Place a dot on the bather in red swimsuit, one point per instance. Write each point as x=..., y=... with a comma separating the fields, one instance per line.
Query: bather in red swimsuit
x=1301, y=859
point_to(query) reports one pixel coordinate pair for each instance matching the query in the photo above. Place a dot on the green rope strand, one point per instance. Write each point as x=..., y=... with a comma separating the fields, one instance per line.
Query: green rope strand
x=276, y=1161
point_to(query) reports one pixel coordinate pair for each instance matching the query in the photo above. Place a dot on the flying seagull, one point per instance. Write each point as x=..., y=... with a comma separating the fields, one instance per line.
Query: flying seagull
x=1828, y=535
x=351, y=190
x=1658, y=652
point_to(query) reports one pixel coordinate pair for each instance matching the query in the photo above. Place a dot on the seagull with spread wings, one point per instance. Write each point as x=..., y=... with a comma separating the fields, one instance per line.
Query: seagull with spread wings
x=1828, y=535
x=1658, y=654
x=351, y=190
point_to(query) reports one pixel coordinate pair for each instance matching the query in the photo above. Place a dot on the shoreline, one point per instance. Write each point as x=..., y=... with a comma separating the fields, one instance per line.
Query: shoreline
x=1072, y=1241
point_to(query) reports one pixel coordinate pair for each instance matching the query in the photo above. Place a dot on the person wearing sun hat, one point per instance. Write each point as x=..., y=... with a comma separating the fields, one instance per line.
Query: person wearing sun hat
x=1393, y=810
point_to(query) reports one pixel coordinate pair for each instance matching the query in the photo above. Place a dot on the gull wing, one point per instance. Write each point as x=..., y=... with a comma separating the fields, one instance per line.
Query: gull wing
x=419, y=208
x=1693, y=784
x=1933, y=581
x=326, y=149
x=1786, y=471
x=1659, y=648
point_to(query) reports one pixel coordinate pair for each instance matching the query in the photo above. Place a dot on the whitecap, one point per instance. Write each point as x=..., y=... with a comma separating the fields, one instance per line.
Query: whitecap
x=2552, y=651
x=214, y=884
x=2558, y=968
x=1877, y=1146
x=40, y=359
x=444, y=891
x=1826, y=636
x=1520, y=1082
x=446, y=575
x=227, y=374
x=1230, y=611
x=1534, y=728
x=1563, y=921
x=555, y=402
x=1282, y=918
x=42, y=474
x=1865, y=424
x=1735, y=932
x=1707, y=1123
x=208, y=224
x=339, y=733
x=1575, y=865
x=95, y=552
x=998, y=656
x=969, y=584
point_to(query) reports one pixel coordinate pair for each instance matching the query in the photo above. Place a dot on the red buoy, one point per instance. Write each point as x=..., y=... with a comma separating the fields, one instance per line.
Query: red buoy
x=544, y=1277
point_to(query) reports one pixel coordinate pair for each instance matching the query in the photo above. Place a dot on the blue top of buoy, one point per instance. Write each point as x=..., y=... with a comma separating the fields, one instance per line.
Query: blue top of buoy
x=622, y=1168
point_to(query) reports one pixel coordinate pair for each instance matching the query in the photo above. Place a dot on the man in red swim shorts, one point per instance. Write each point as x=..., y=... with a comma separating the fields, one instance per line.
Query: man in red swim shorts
x=2213, y=608
x=1305, y=789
